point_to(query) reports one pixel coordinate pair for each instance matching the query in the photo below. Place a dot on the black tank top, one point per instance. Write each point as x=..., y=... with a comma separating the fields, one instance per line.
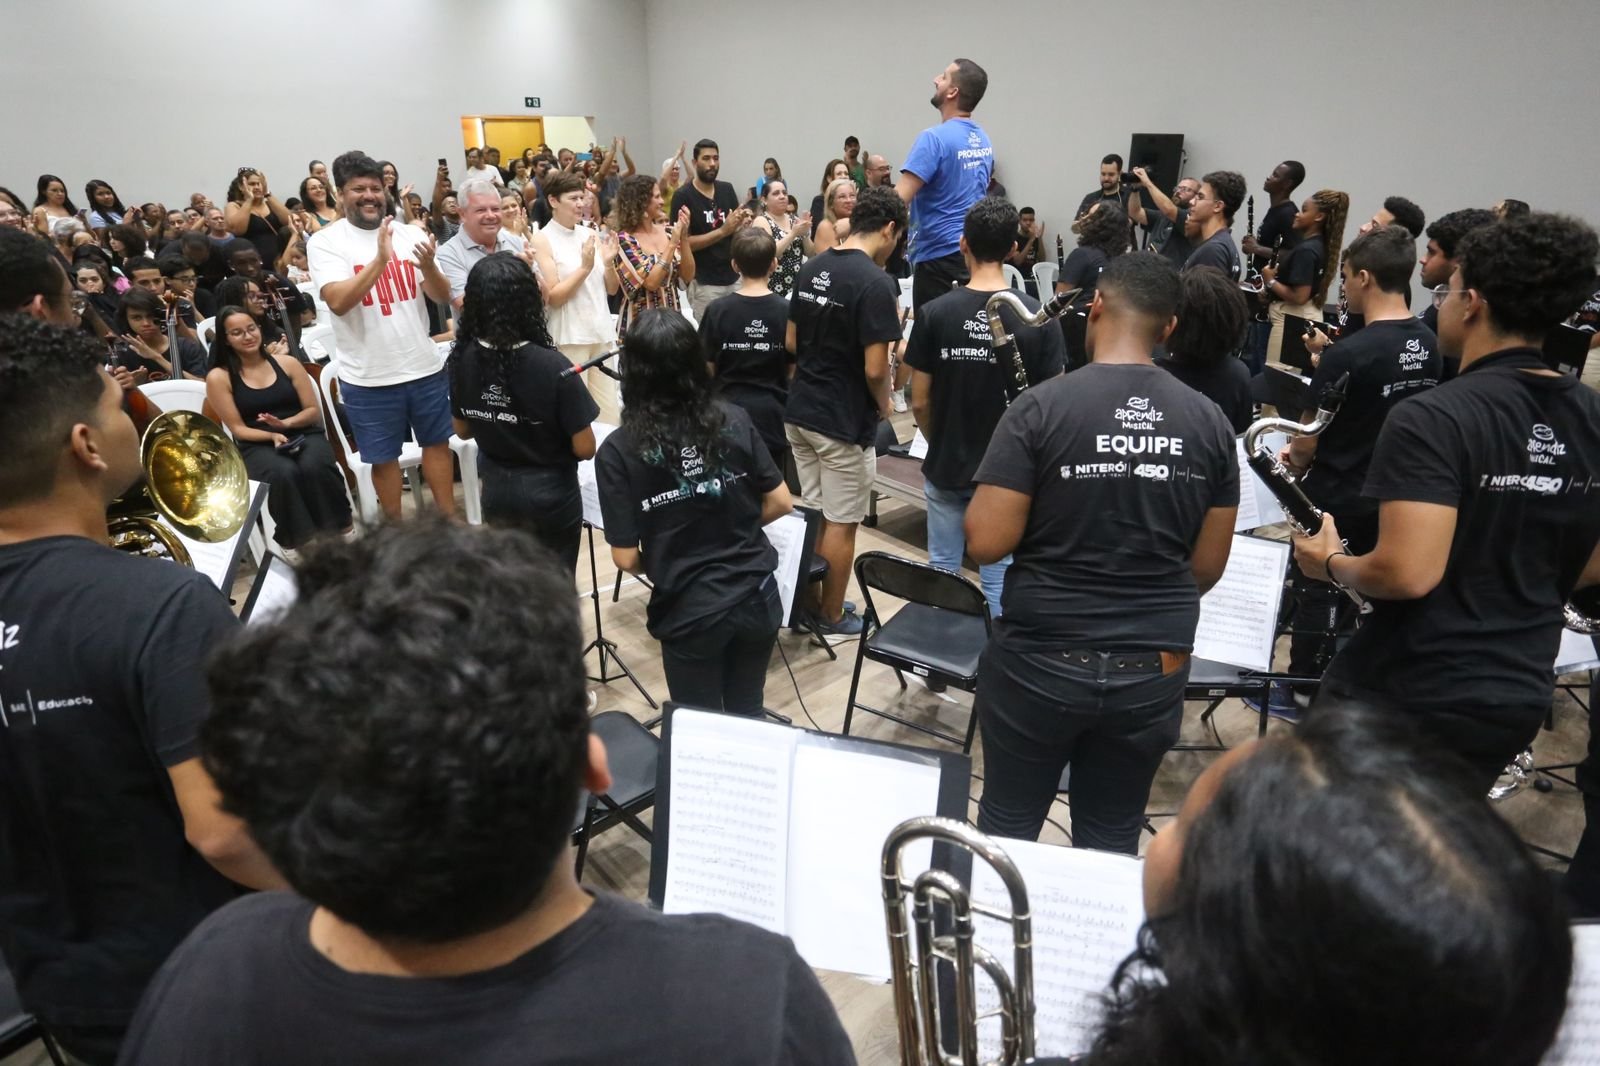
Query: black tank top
x=279, y=398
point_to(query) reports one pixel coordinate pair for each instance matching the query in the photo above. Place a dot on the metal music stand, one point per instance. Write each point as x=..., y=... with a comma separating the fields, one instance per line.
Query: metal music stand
x=607, y=648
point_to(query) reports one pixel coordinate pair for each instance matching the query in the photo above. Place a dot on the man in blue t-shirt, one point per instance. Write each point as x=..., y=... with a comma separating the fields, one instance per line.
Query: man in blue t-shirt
x=946, y=172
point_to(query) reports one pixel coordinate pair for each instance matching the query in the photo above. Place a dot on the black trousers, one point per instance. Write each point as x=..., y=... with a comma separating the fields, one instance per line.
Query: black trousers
x=1485, y=737
x=305, y=491
x=722, y=666
x=543, y=501
x=1583, y=875
x=932, y=278
x=1320, y=614
x=1039, y=712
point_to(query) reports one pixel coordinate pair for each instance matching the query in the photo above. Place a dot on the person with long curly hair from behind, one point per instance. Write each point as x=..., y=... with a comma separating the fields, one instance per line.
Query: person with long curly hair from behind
x=685, y=486
x=1300, y=285
x=1102, y=236
x=1359, y=895
x=511, y=391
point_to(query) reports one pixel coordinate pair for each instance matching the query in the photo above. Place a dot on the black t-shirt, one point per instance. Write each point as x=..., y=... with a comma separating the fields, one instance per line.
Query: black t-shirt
x=102, y=688
x=529, y=419
x=951, y=342
x=713, y=264
x=1217, y=251
x=1277, y=223
x=1387, y=362
x=1167, y=237
x=1226, y=382
x=1082, y=270
x=698, y=523
x=1518, y=456
x=249, y=989
x=843, y=303
x=1303, y=264
x=1118, y=199
x=192, y=357
x=743, y=338
x=1123, y=462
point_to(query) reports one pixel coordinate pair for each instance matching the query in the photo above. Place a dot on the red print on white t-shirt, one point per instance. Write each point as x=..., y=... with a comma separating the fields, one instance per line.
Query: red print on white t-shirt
x=397, y=285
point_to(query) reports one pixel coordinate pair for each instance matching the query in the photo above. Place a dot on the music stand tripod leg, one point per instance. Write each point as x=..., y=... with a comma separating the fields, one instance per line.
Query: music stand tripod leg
x=607, y=648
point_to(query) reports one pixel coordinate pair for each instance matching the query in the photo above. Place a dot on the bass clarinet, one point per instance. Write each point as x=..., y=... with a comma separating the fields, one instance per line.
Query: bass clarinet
x=1006, y=351
x=1303, y=515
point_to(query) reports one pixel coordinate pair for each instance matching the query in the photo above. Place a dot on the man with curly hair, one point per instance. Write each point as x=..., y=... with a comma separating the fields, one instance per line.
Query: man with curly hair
x=1488, y=492
x=1209, y=224
x=409, y=742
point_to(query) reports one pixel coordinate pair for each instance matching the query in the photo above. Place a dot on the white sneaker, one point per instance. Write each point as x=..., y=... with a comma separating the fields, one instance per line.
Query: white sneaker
x=897, y=400
x=594, y=700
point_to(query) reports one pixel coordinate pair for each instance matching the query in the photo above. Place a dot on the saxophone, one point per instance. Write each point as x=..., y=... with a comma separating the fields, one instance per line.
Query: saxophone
x=1006, y=351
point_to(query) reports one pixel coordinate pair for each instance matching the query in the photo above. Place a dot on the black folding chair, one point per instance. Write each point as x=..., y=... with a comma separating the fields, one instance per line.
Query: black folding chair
x=631, y=753
x=18, y=1029
x=938, y=634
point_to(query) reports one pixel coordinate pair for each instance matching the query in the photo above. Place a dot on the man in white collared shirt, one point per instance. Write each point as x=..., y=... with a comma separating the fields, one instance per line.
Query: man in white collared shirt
x=481, y=235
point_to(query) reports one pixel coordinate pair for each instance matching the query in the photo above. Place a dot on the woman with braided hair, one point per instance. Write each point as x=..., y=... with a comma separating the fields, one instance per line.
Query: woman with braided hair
x=1300, y=285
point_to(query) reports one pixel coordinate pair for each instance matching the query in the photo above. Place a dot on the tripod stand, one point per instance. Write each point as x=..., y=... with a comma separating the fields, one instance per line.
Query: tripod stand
x=607, y=648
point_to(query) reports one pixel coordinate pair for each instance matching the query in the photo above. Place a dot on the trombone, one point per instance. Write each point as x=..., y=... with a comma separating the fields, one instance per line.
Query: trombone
x=194, y=477
x=915, y=948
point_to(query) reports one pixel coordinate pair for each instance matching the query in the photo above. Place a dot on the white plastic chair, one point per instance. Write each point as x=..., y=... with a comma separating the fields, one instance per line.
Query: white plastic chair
x=366, y=492
x=318, y=339
x=184, y=395
x=1044, y=275
x=1014, y=277
x=202, y=327
x=905, y=293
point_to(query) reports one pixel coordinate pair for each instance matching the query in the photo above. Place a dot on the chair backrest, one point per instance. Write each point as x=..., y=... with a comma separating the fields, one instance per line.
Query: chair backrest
x=1013, y=276
x=182, y=395
x=916, y=582
x=1045, y=275
x=328, y=381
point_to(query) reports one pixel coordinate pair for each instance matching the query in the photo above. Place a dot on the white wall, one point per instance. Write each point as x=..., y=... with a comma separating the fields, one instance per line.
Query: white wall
x=1453, y=103
x=225, y=85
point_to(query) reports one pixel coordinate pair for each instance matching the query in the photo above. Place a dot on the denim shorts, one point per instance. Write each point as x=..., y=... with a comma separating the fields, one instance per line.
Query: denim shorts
x=383, y=416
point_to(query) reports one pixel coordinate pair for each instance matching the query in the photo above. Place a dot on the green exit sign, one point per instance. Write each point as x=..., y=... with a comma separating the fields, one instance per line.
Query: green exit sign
x=530, y=101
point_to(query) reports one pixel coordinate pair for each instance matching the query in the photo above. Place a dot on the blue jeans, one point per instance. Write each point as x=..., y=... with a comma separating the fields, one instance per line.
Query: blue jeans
x=947, y=539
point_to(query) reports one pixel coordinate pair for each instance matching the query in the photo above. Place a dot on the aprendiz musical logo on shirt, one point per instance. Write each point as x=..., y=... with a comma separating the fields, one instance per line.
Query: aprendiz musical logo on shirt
x=757, y=331
x=492, y=396
x=397, y=284
x=692, y=480
x=981, y=348
x=820, y=282
x=1141, y=419
x=1543, y=449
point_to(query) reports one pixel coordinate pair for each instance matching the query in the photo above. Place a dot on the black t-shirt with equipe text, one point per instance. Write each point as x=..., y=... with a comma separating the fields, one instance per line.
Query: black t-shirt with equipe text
x=843, y=303
x=250, y=989
x=102, y=689
x=744, y=341
x=713, y=264
x=1517, y=454
x=530, y=418
x=1123, y=463
x=951, y=343
x=1388, y=362
x=697, y=520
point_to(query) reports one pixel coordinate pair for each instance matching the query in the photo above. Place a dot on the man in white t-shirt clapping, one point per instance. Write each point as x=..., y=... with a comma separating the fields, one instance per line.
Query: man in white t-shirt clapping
x=367, y=270
x=480, y=236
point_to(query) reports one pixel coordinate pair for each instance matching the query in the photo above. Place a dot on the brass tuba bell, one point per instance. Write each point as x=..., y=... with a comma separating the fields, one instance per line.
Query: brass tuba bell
x=194, y=478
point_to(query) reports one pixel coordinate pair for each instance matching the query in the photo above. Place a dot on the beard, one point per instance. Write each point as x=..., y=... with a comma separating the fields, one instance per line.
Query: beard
x=935, y=99
x=358, y=218
x=707, y=174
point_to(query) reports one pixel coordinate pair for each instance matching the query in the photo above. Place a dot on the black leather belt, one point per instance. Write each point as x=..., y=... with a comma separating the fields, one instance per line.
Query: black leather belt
x=1129, y=662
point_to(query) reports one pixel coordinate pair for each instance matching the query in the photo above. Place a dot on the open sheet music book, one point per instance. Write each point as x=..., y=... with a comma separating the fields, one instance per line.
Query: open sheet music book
x=784, y=829
x=1257, y=505
x=1239, y=616
x=1578, y=1041
x=1087, y=908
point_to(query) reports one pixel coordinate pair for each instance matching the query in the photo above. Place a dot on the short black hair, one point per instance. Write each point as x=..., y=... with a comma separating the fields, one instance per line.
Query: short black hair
x=1406, y=214
x=848, y=141
x=1388, y=253
x=1534, y=270
x=132, y=238
x=1114, y=159
x=138, y=262
x=1025, y=211
x=191, y=239
x=991, y=229
x=1514, y=208
x=1212, y=318
x=1297, y=172
x=1229, y=185
x=27, y=269
x=971, y=82
x=407, y=742
x=50, y=380
x=877, y=207
x=753, y=251
x=702, y=144
x=1146, y=285
x=144, y=301
x=313, y=165
x=238, y=246
x=1447, y=230
x=173, y=264
x=355, y=164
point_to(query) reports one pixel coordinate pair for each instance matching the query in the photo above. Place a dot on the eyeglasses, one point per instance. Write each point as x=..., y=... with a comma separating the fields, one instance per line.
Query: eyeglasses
x=245, y=331
x=1441, y=293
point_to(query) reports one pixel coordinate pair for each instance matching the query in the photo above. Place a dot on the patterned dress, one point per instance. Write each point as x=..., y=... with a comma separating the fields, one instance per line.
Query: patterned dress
x=788, y=266
x=633, y=264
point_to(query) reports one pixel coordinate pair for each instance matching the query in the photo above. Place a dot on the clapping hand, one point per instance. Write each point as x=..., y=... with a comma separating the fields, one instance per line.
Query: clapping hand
x=271, y=421
x=681, y=231
x=425, y=250
x=588, y=252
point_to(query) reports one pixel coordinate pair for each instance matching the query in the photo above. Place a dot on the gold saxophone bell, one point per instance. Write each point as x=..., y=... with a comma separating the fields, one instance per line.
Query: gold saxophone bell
x=194, y=478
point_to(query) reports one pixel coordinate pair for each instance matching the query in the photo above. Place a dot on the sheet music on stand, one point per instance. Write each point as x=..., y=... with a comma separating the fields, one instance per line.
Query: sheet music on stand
x=784, y=828
x=919, y=446
x=1578, y=1039
x=588, y=482
x=1239, y=616
x=788, y=536
x=220, y=561
x=1577, y=653
x=1257, y=505
x=1087, y=909
x=273, y=591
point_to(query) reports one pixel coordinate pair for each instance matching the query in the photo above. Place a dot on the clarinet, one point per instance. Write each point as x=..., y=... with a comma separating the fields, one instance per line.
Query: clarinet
x=1006, y=349
x=1061, y=253
x=1303, y=515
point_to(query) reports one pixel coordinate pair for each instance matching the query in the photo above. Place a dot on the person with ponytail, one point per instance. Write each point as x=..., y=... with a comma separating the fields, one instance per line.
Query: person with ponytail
x=1300, y=285
x=511, y=390
x=685, y=486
